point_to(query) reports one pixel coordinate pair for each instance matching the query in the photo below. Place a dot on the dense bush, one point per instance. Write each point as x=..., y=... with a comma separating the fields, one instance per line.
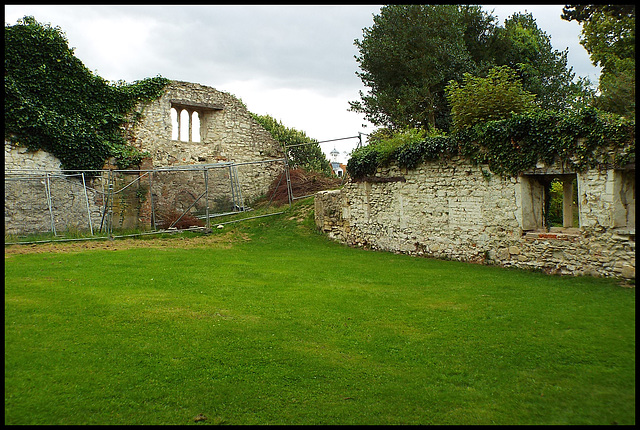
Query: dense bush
x=481, y=99
x=385, y=147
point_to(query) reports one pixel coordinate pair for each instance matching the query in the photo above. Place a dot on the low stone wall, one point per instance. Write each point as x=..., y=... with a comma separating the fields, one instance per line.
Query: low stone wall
x=26, y=201
x=457, y=211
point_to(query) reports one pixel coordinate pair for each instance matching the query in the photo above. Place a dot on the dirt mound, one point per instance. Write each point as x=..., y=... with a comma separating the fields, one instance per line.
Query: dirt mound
x=303, y=183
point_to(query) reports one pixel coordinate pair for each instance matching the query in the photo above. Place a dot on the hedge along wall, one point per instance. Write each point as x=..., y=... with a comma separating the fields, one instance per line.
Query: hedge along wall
x=456, y=210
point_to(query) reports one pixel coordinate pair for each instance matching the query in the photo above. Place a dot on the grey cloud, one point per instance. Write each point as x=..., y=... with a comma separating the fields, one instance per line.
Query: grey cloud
x=296, y=46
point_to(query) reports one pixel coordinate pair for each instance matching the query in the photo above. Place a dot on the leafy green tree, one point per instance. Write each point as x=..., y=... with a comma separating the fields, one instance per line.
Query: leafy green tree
x=608, y=35
x=411, y=53
x=488, y=99
x=53, y=102
x=543, y=70
x=407, y=57
x=618, y=89
x=482, y=38
x=303, y=151
x=582, y=12
x=608, y=31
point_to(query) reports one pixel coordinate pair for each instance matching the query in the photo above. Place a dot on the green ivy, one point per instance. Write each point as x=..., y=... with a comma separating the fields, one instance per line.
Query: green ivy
x=302, y=150
x=54, y=103
x=363, y=162
x=579, y=139
x=432, y=148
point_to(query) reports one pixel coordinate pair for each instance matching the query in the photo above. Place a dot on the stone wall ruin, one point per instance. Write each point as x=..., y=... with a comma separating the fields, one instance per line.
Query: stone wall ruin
x=34, y=181
x=219, y=129
x=189, y=129
x=454, y=210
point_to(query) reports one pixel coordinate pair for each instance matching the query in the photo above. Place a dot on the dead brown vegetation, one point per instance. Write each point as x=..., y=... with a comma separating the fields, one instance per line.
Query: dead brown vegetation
x=303, y=183
x=167, y=218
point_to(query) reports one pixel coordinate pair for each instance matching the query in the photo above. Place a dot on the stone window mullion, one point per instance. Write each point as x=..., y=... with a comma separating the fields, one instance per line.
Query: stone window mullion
x=179, y=123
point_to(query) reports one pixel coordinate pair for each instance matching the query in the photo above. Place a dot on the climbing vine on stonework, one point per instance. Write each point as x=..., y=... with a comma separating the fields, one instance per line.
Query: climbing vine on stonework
x=579, y=140
x=54, y=103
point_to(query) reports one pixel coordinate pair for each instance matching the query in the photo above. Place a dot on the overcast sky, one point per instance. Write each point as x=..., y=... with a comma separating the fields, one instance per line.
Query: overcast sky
x=294, y=63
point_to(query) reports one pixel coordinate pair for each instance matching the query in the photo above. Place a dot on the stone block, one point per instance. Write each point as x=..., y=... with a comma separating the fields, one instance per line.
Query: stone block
x=628, y=272
x=514, y=250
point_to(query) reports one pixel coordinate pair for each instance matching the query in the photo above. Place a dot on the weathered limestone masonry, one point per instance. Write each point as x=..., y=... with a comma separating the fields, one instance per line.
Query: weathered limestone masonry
x=455, y=210
x=227, y=133
x=227, y=130
x=25, y=196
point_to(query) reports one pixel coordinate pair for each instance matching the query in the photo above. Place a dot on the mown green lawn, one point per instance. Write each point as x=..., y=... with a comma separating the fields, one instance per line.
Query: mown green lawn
x=275, y=324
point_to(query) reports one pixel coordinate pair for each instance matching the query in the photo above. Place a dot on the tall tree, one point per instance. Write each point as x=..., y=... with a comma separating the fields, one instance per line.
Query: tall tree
x=543, y=70
x=411, y=52
x=608, y=31
x=407, y=57
x=608, y=35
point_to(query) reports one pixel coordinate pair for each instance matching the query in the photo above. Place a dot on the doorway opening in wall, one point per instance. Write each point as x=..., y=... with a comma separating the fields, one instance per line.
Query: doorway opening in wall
x=562, y=202
x=549, y=201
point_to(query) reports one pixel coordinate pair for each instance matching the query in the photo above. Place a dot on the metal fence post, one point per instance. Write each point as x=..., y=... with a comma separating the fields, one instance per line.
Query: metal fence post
x=206, y=190
x=86, y=197
x=47, y=186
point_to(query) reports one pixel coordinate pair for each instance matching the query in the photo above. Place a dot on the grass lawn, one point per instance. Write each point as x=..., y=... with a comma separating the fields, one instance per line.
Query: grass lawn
x=269, y=322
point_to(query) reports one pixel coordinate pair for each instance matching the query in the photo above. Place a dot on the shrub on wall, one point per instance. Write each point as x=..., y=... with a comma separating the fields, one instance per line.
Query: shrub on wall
x=386, y=146
x=484, y=99
x=363, y=162
x=578, y=139
x=54, y=103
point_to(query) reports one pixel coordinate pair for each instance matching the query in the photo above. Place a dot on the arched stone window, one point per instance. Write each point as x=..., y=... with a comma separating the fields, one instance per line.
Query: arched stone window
x=175, y=124
x=191, y=120
x=184, y=125
x=195, y=126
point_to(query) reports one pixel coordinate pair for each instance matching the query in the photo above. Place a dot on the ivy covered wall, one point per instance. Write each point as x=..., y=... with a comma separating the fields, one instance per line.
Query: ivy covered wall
x=577, y=140
x=54, y=103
